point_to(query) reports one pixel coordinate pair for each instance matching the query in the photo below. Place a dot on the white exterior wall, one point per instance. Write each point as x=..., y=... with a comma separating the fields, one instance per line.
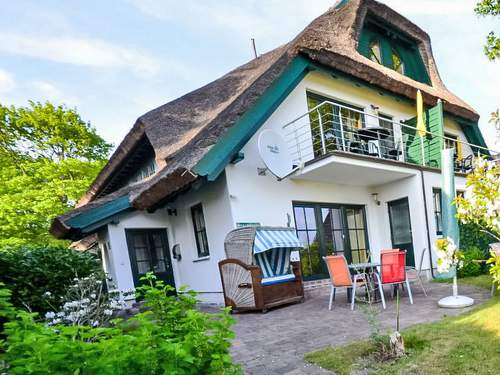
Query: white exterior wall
x=198, y=274
x=202, y=275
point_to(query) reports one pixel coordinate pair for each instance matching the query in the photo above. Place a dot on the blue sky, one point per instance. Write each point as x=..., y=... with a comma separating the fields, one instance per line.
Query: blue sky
x=115, y=60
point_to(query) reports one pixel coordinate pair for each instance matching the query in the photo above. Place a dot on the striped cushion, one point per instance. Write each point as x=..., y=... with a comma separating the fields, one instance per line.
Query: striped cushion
x=274, y=262
x=278, y=279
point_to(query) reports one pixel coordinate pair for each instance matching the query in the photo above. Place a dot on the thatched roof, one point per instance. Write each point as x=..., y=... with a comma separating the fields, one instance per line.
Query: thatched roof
x=184, y=130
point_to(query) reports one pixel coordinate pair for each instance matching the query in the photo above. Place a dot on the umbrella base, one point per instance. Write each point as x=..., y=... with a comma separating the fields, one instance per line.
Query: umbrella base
x=455, y=302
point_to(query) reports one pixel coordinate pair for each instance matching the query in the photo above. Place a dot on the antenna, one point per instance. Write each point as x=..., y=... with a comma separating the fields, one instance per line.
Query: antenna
x=254, y=48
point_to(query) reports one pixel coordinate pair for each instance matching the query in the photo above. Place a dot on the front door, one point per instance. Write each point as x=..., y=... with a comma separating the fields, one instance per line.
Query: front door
x=401, y=235
x=148, y=251
x=326, y=229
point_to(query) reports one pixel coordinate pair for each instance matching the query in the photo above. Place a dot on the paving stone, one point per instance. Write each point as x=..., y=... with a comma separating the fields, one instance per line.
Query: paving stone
x=275, y=343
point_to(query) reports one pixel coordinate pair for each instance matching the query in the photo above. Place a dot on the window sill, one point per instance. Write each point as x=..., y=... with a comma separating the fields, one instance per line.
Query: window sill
x=201, y=259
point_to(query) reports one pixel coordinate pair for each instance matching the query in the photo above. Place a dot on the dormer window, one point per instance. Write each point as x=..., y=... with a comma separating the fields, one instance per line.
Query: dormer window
x=392, y=48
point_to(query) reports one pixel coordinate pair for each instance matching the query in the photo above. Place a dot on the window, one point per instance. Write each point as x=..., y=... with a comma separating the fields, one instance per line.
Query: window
x=332, y=118
x=374, y=52
x=326, y=229
x=200, y=231
x=436, y=198
x=388, y=143
x=450, y=141
x=144, y=171
x=397, y=63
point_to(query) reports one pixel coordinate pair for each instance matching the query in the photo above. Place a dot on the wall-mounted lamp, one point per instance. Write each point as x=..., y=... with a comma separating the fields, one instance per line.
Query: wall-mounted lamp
x=374, y=107
x=375, y=199
x=176, y=252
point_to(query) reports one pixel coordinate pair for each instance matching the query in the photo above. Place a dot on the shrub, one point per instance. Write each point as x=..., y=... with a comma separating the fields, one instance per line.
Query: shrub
x=471, y=235
x=88, y=302
x=471, y=266
x=169, y=337
x=39, y=276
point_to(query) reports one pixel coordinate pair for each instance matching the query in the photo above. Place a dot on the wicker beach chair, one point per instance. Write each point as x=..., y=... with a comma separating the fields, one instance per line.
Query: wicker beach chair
x=258, y=273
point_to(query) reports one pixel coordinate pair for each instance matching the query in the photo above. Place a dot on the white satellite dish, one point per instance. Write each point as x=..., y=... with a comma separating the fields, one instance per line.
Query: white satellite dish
x=274, y=153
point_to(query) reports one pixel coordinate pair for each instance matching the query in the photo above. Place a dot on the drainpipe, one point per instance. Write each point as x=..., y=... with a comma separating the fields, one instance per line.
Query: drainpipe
x=426, y=221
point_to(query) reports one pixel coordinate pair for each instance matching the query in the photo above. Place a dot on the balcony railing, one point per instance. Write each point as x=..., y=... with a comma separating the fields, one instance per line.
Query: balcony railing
x=331, y=127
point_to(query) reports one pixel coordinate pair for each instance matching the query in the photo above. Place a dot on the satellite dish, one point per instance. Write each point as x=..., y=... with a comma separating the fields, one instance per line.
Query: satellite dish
x=274, y=153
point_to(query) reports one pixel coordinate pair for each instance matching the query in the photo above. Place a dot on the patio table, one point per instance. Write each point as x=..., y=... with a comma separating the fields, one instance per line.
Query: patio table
x=373, y=135
x=372, y=266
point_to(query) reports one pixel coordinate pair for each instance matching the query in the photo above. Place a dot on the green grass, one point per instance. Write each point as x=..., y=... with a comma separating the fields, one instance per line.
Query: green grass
x=465, y=344
x=481, y=281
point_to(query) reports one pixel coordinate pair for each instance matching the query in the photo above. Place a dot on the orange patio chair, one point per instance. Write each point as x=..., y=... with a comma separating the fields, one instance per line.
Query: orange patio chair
x=340, y=277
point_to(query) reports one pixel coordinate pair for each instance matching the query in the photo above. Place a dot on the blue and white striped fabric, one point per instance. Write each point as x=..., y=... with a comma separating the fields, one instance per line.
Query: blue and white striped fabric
x=274, y=262
x=272, y=254
x=271, y=239
x=278, y=279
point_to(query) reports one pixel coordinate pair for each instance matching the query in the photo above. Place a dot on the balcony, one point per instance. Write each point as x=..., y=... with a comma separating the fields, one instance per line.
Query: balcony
x=335, y=134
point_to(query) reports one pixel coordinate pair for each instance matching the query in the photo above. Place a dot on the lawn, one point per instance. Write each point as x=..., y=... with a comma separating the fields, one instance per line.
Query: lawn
x=465, y=344
x=482, y=281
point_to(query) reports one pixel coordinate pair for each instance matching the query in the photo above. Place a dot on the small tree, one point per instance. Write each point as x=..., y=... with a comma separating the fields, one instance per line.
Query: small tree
x=481, y=204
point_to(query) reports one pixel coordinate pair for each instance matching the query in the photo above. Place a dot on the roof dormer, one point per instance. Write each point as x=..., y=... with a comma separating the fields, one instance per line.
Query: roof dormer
x=392, y=48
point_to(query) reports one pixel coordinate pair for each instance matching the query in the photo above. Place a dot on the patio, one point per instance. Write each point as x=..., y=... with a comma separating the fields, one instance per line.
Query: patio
x=275, y=343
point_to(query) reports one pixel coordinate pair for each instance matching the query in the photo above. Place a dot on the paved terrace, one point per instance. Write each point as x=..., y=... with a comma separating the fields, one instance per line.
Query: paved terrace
x=275, y=343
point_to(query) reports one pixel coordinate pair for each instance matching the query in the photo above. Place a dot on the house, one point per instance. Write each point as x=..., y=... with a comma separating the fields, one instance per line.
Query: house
x=189, y=171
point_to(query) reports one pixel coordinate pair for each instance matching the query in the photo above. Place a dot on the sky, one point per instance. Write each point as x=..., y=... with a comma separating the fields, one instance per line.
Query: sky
x=115, y=60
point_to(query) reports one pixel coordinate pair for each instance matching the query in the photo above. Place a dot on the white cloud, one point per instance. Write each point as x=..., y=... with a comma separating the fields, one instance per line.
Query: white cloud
x=77, y=51
x=7, y=82
x=251, y=18
x=48, y=91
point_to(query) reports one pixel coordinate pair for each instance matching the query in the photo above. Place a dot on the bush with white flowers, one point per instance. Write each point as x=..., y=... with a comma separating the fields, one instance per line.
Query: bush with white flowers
x=87, y=303
x=449, y=256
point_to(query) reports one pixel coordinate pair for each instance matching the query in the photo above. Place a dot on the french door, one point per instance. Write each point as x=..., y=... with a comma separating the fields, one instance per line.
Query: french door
x=148, y=251
x=326, y=229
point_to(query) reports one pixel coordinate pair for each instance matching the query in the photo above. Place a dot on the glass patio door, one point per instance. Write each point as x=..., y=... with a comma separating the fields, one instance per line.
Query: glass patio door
x=326, y=229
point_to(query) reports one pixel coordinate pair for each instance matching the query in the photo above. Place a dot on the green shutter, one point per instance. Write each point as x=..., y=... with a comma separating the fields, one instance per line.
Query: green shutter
x=433, y=144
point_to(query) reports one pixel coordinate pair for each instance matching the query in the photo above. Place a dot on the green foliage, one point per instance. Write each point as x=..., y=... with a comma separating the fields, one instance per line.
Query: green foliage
x=48, y=157
x=471, y=265
x=31, y=272
x=170, y=337
x=50, y=132
x=490, y=8
x=471, y=235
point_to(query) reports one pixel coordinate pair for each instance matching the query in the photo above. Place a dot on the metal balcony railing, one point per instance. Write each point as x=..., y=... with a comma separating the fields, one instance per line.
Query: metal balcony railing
x=331, y=127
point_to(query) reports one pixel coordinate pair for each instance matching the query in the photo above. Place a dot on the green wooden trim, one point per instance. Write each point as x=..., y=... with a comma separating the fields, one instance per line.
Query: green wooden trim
x=433, y=144
x=214, y=162
x=98, y=214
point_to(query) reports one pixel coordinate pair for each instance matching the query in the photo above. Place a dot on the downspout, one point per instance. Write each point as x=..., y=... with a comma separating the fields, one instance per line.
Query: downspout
x=426, y=221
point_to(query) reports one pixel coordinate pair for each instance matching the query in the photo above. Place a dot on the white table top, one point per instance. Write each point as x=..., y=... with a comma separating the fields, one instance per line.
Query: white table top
x=364, y=265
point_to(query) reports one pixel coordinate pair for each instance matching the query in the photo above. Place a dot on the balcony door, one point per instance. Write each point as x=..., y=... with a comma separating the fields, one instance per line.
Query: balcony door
x=148, y=251
x=326, y=229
